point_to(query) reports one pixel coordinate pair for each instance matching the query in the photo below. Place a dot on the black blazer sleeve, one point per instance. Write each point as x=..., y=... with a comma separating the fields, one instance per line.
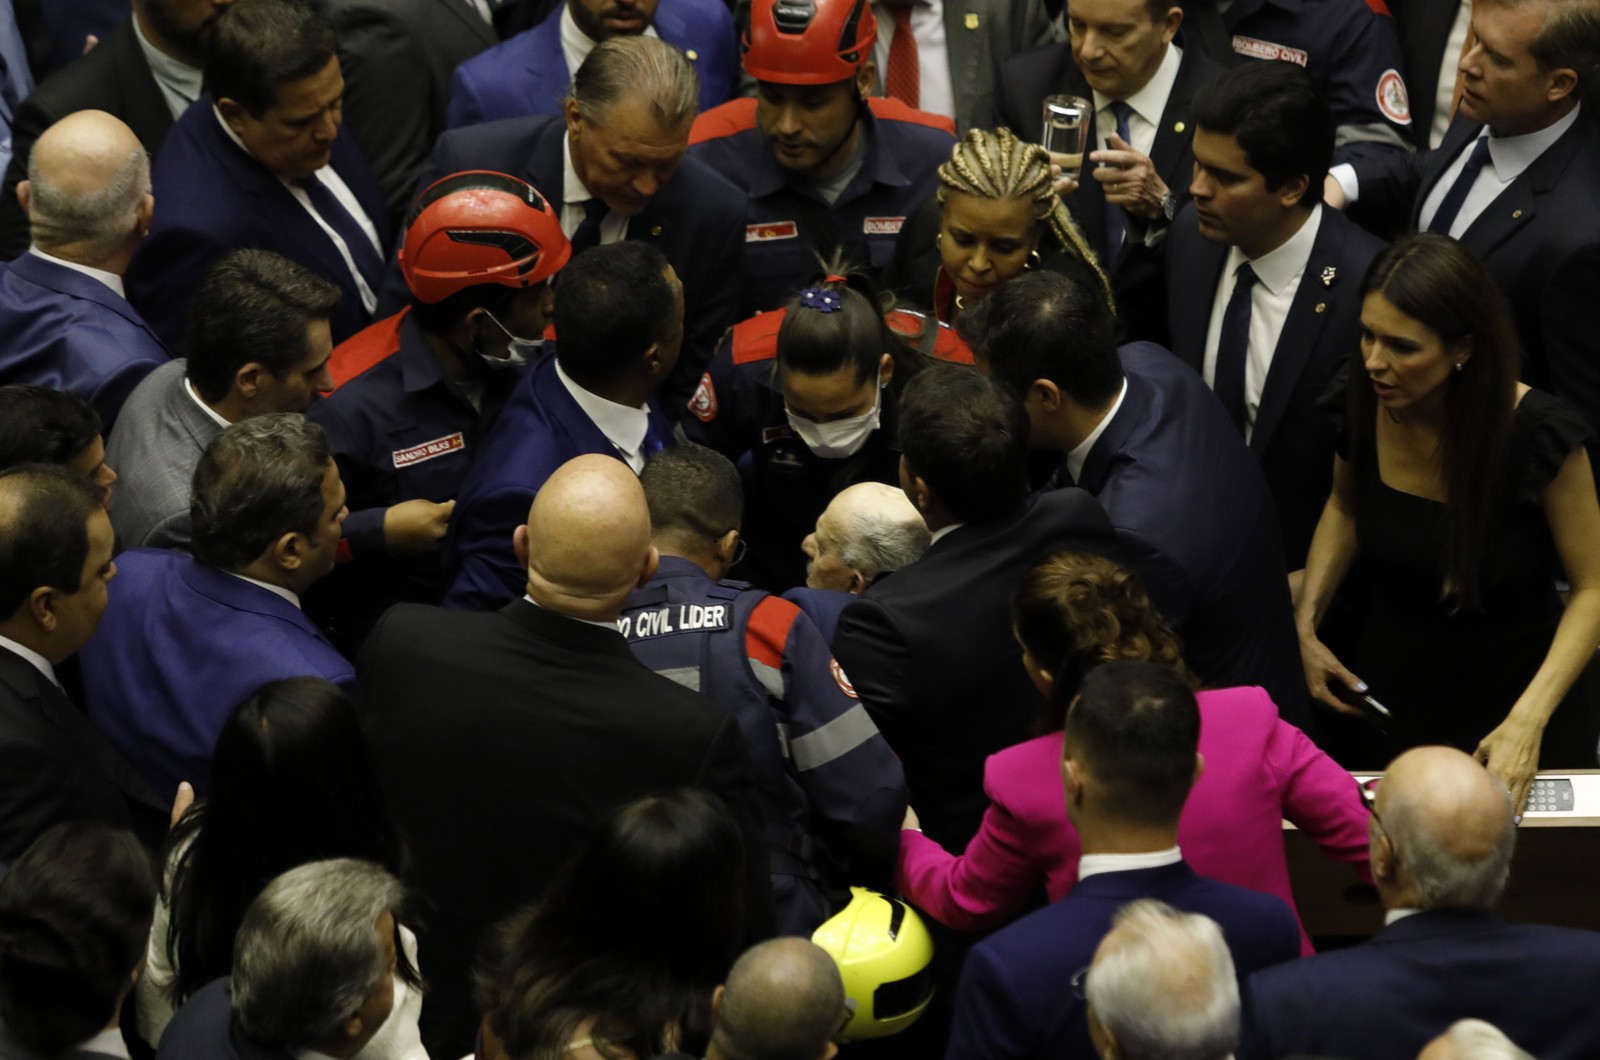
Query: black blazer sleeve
x=726, y=771
x=871, y=648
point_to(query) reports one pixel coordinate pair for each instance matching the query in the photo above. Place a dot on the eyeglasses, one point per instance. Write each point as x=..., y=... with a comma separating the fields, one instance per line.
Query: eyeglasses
x=1080, y=983
x=739, y=549
x=1368, y=790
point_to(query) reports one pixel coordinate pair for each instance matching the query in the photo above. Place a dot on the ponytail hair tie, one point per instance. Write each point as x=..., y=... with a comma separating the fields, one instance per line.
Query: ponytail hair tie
x=821, y=299
x=834, y=277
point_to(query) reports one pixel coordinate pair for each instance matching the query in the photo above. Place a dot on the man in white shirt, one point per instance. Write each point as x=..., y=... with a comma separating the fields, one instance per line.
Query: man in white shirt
x=1514, y=180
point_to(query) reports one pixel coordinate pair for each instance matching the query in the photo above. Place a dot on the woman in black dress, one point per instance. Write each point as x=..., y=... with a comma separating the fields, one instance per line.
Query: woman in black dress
x=1466, y=494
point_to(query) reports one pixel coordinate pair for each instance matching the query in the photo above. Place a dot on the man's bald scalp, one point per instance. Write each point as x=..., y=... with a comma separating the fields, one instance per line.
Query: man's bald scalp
x=782, y=1001
x=1451, y=825
x=87, y=176
x=588, y=537
x=878, y=528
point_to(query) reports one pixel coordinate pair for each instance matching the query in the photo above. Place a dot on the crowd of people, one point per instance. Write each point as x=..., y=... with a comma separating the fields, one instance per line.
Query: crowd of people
x=663, y=528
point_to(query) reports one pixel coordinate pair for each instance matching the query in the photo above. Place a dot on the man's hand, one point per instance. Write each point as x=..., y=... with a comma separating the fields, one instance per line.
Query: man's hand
x=1130, y=179
x=1070, y=163
x=412, y=528
x=1333, y=193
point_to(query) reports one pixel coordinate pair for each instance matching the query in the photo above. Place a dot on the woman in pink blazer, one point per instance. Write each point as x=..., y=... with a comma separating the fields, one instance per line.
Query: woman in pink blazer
x=1259, y=770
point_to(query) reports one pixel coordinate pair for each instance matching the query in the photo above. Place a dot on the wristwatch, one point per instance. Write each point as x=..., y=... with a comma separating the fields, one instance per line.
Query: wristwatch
x=1169, y=206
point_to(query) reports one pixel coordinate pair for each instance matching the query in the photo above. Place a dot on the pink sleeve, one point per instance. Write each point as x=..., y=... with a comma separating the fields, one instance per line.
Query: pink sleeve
x=984, y=887
x=1319, y=797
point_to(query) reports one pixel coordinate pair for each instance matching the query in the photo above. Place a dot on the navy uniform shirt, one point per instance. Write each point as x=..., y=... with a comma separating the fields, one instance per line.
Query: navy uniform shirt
x=788, y=223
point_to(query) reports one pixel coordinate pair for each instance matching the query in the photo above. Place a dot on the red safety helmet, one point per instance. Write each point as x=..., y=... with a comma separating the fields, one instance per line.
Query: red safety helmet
x=808, y=42
x=479, y=227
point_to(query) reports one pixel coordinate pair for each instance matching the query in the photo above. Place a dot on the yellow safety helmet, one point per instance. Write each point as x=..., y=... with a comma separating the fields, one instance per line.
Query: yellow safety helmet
x=885, y=956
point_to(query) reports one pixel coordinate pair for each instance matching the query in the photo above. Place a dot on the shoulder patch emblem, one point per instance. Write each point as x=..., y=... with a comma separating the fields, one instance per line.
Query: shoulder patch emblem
x=418, y=454
x=1393, y=99
x=882, y=226
x=704, y=402
x=844, y=682
x=765, y=233
x=1256, y=48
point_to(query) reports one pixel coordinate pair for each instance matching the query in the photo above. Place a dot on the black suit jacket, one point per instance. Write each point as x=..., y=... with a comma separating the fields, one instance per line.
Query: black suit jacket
x=930, y=652
x=1137, y=279
x=55, y=766
x=697, y=219
x=503, y=740
x=114, y=78
x=1424, y=28
x=1540, y=240
x=1292, y=439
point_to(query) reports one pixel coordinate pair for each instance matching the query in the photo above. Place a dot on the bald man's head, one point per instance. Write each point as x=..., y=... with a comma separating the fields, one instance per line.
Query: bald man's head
x=867, y=529
x=1446, y=833
x=783, y=1001
x=587, y=541
x=88, y=190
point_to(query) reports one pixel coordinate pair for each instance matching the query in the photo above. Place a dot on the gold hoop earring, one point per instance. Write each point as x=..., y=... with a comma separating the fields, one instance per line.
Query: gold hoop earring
x=1035, y=260
x=938, y=239
x=1460, y=365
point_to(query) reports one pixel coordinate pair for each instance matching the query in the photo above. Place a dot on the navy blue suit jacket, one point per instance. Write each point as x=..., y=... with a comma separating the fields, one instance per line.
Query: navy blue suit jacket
x=540, y=428
x=204, y=1029
x=212, y=197
x=822, y=606
x=1540, y=239
x=528, y=74
x=180, y=646
x=1293, y=440
x=1194, y=517
x=1388, y=997
x=697, y=219
x=1015, y=999
x=64, y=330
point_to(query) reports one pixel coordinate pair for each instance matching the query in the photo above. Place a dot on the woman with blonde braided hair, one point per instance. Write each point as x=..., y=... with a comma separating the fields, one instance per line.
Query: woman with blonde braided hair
x=995, y=213
x=1072, y=612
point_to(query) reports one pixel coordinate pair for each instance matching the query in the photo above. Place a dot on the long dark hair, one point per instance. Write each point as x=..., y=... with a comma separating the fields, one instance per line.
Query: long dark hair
x=1440, y=283
x=635, y=933
x=855, y=335
x=290, y=783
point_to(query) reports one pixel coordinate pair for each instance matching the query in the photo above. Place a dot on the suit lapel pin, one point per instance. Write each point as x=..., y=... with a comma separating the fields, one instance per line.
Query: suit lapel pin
x=1178, y=127
x=692, y=54
x=1516, y=215
x=971, y=21
x=1322, y=307
x=655, y=231
x=1329, y=274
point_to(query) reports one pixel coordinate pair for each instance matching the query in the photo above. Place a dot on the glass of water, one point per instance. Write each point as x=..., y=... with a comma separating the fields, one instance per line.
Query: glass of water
x=1066, y=130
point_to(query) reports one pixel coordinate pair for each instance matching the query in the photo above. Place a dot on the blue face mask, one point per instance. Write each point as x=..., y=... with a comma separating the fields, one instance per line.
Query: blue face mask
x=518, y=351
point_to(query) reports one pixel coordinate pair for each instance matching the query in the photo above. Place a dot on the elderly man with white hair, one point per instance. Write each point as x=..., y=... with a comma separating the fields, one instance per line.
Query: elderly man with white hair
x=64, y=322
x=1162, y=987
x=868, y=530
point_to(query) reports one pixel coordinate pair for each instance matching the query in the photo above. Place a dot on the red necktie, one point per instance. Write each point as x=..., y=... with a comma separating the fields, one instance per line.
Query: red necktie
x=903, y=80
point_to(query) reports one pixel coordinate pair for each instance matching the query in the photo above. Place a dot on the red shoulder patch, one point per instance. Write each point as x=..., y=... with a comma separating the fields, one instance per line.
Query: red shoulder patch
x=1381, y=8
x=889, y=108
x=728, y=119
x=372, y=345
x=767, y=633
x=756, y=339
x=704, y=402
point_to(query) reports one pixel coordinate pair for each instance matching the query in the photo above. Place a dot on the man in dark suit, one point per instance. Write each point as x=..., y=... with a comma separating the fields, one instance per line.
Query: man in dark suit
x=1515, y=181
x=146, y=72
x=1442, y=836
x=1130, y=758
x=398, y=57
x=930, y=650
x=619, y=312
x=1142, y=434
x=530, y=73
x=614, y=163
x=187, y=638
x=55, y=561
x=259, y=162
x=63, y=320
x=1432, y=36
x=1123, y=57
x=551, y=725
x=1271, y=348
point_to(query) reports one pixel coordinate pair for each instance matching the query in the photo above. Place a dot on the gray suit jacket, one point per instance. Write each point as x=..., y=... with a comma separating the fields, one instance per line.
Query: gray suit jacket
x=154, y=447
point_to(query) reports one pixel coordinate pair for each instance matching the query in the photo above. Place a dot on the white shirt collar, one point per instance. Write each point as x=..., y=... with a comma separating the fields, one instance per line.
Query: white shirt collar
x=179, y=82
x=1080, y=452
x=188, y=388
x=276, y=590
x=110, y=279
x=573, y=190
x=108, y=1042
x=1095, y=864
x=310, y=1054
x=576, y=44
x=1511, y=155
x=37, y=661
x=1276, y=268
x=942, y=531
x=1151, y=100
x=614, y=627
x=1394, y=915
x=624, y=427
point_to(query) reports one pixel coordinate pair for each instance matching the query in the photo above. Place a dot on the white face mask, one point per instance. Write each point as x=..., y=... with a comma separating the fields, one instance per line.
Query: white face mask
x=518, y=352
x=839, y=438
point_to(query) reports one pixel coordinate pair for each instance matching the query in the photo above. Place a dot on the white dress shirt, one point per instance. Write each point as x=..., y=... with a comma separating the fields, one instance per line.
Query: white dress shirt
x=1394, y=915
x=1095, y=864
x=1148, y=105
x=1278, y=275
x=1445, y=95
x=188, y=388
x=1080, y=452
x=33, y=658
x=612, y=626
x=935, y=93
x=178, y=81
x=1509, y=157
x=276, y=590
x=943, y=531
x=110, y=279
x=574, y=193
x=576, y=44
x=341, y=191
x=624, y=427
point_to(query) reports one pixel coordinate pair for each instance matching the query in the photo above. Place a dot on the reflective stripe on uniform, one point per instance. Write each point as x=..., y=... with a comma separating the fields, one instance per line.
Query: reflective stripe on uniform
x=834, y=740
x=687, y=676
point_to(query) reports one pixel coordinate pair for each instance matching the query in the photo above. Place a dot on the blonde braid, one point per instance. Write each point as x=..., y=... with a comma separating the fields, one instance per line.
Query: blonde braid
x=997, y=165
